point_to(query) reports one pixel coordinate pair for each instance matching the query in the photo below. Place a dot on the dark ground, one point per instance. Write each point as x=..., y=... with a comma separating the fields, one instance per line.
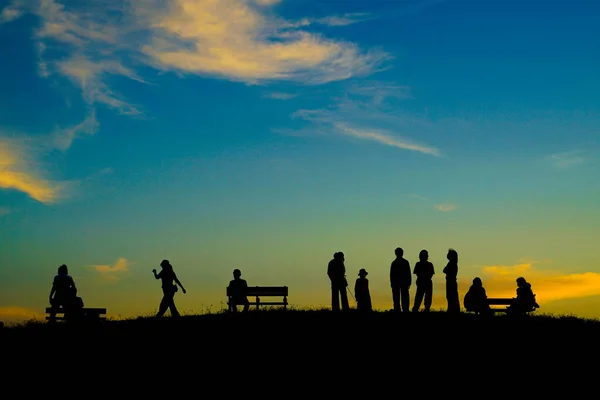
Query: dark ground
x=424, y=354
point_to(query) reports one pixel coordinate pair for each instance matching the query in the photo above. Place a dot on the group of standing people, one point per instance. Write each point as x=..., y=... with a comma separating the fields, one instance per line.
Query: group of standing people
x=400, y=281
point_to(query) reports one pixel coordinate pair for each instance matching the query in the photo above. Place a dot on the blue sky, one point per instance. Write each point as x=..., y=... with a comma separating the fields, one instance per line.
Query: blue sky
x=269, y=134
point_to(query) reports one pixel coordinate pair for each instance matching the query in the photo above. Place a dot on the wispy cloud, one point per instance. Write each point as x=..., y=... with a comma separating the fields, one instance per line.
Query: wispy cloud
x=234, y=40
x=447, y=207
x=570, y=158
x=548, y=285
x=363, y=113
x=22, y=170
x=11, y=12
x=280, y=95
x=22, y=165
x=115, y=272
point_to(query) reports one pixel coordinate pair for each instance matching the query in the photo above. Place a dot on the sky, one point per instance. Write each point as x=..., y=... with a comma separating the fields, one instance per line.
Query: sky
x=266, y=135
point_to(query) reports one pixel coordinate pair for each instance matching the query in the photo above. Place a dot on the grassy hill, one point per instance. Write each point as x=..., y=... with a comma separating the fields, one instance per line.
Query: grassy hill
x=304, y=342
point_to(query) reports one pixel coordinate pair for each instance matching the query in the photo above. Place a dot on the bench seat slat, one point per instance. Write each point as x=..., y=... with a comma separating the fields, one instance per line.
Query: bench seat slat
x=264, y=291
x=87, y=310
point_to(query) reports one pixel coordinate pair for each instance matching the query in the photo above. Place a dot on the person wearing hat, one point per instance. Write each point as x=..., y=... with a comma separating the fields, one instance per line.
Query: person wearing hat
x=168, y=276
x=362, y=293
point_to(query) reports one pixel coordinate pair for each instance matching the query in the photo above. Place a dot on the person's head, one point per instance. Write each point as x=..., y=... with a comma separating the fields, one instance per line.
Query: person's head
x=165, y=264
x=399, y=252
x=477, y=282
x=63, y=270
x=423, y=255
x=452, y=255
x=237, y=273
x=521, y=281
x=362, y=273
x=340, y=256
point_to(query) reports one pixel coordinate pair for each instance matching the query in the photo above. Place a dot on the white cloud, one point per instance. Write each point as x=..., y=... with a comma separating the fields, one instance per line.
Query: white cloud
x=362, y=113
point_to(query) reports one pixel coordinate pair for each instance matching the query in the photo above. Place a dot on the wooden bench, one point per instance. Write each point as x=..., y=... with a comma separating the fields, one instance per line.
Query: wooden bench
x=497, y=301
x=85, y=313
x=263, y=291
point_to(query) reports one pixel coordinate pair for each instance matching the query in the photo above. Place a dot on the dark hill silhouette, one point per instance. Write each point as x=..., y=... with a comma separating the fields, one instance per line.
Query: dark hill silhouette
x=312, y=350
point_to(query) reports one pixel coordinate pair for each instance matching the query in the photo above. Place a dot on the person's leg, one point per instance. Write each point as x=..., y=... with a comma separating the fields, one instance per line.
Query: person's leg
x=344, y=296
x=405, y=298
x=172, y=307
x=335, y=299
x=164, y=304
x=428, y=295
x=396, y=297
x=246, y=304
x=418, y=298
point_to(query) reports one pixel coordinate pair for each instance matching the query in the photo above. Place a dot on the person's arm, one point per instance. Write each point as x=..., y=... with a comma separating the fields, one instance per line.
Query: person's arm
x=179, y=283
x=52, y=291
x=157, y=276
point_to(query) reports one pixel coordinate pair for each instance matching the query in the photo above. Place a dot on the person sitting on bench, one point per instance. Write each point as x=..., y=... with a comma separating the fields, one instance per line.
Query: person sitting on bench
x=238, y=287
x=63, y=293
x=476, y=298
x=525, y=300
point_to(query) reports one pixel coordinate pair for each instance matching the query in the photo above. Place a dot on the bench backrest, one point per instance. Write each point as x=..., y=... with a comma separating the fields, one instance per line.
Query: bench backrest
x=499, y=302
x=90, y=310
x=264, y=291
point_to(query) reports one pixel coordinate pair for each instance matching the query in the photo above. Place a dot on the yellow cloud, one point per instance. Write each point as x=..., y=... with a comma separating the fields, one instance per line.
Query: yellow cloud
x=13, y=314
x=20, y=170
x=234, y=39
x=548, y=285
x=116, y=271
x=445, y=207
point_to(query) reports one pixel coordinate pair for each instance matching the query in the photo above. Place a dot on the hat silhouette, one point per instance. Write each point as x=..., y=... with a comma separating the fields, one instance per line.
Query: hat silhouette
x=363, y=272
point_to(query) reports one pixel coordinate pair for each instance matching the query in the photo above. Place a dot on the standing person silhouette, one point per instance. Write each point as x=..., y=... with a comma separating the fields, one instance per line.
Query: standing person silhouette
x=362, y=293
x=336, y=270
x=424, y=271
x=400, y=279
x=451, y=271
x=168, y=276
x=63, y=292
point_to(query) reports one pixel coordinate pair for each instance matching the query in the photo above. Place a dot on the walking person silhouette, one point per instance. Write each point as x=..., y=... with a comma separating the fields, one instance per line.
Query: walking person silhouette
x=336, y=270
x=168, y=276
x=424, y=271
x=451, y=271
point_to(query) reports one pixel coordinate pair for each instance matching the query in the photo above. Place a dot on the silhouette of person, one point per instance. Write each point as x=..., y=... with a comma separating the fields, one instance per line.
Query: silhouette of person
x=238, y=292
x=525, y=300
x=168, y=276
x=451, y=271
x=362, y=293
x=63, y=293
x=336, y=270
x=476, y=298
x=424, y=271
x=400, y=279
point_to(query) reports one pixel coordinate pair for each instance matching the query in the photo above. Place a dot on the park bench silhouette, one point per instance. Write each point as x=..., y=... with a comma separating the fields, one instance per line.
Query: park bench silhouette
x=262, y=291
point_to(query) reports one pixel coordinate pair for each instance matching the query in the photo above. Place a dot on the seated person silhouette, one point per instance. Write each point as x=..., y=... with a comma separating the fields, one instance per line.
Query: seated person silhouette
x=525, y=300
x=362, y=293
x=63, y=294
x=476, y=298
x=238, y=288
